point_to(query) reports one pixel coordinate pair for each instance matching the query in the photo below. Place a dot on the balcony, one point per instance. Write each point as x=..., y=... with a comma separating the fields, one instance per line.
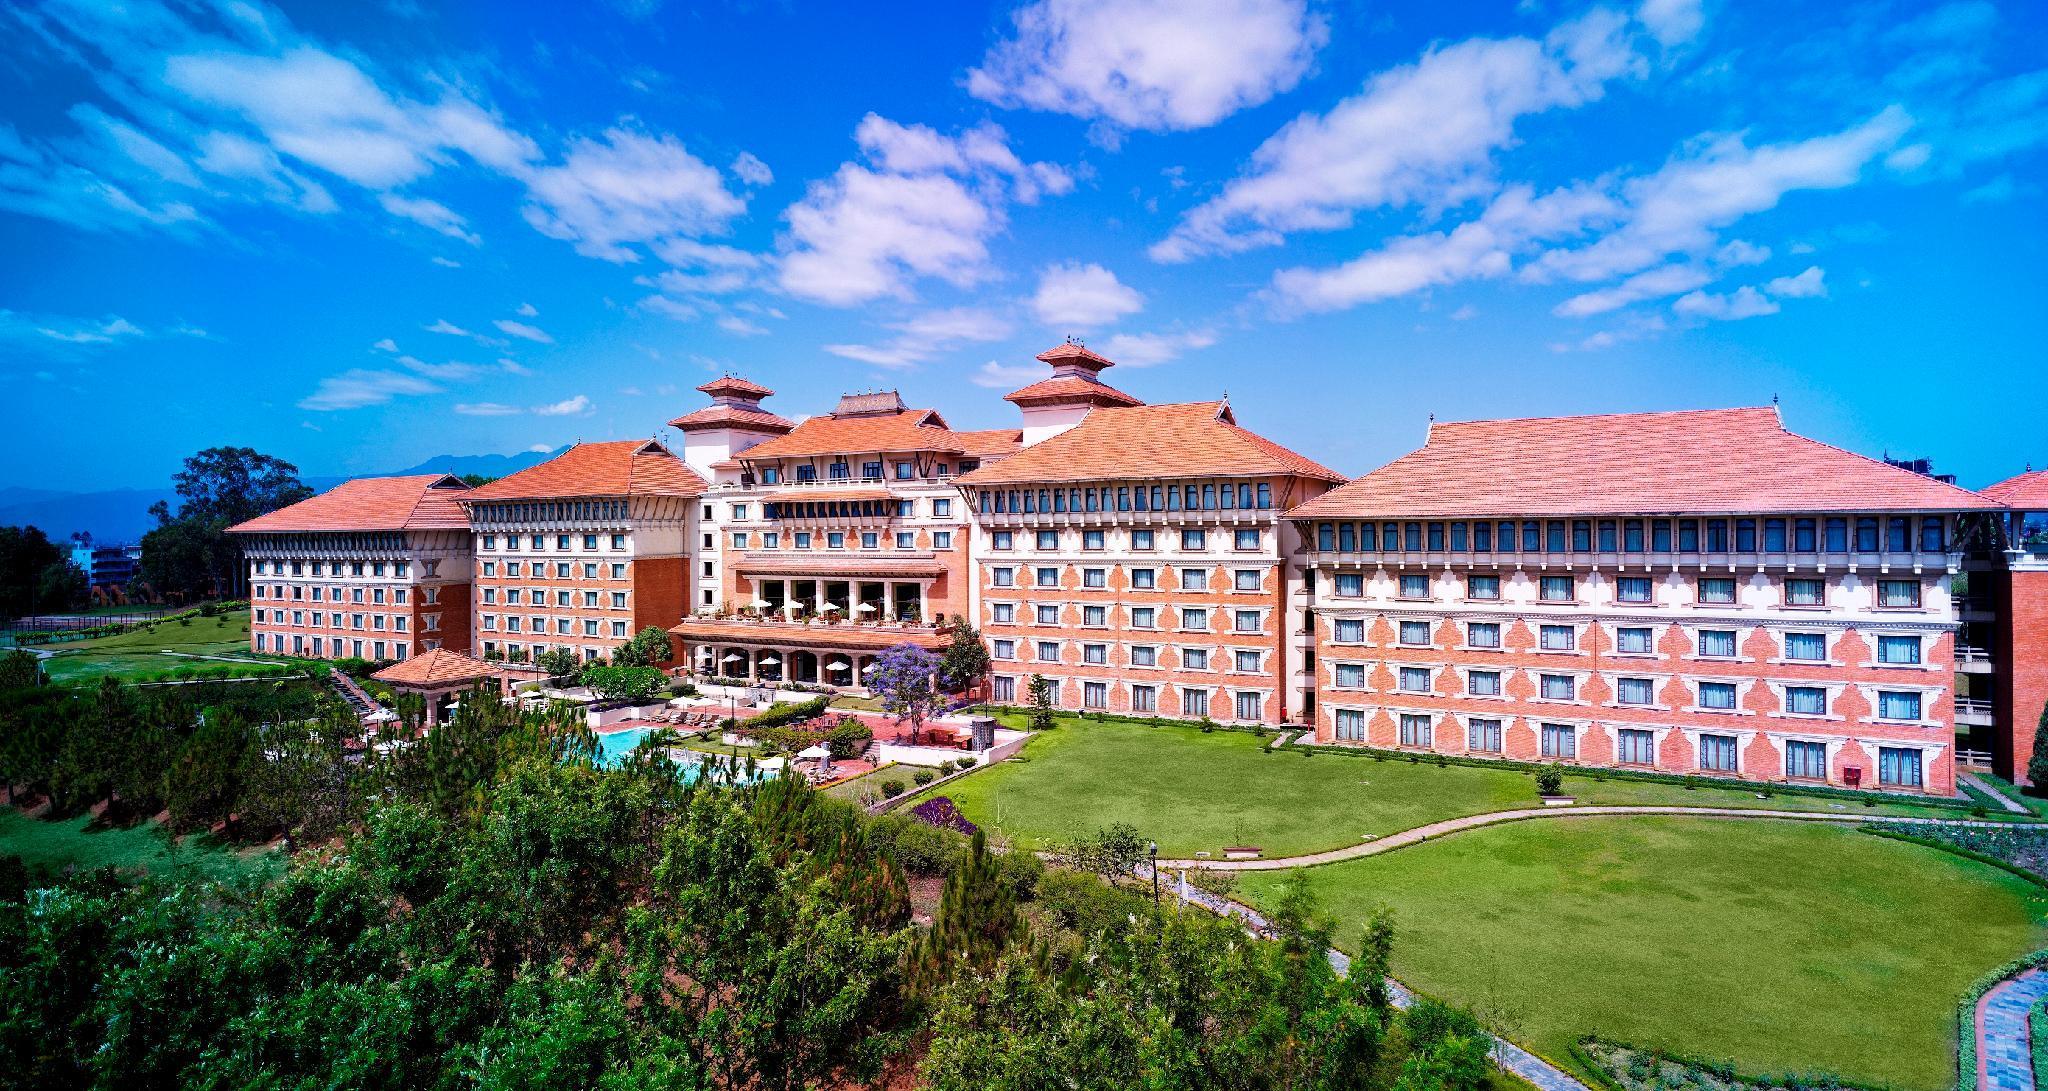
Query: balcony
x=1974, y=711
x=1972, y=659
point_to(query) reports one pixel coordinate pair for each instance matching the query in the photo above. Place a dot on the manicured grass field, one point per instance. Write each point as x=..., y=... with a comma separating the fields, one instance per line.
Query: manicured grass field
x=851, y=790
x=1776, y=946
x=74, y=843
x=136, y=655
x=1201, y=793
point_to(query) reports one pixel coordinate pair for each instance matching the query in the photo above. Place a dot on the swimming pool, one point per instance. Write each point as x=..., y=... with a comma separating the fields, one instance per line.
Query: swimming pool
x=613, y=746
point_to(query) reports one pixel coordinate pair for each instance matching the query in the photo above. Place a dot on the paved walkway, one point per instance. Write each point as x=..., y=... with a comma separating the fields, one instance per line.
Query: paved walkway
x=2005, y=1057
x=1453, y=825
x=2006, y=801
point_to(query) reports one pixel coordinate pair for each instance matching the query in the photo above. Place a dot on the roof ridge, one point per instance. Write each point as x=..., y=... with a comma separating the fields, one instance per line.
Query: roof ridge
x=1617, y=413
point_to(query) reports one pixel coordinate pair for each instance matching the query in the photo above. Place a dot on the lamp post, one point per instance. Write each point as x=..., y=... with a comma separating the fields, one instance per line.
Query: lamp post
x=1152, y=849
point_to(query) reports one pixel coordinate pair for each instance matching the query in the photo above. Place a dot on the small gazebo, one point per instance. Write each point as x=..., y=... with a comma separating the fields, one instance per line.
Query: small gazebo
x=437, y=676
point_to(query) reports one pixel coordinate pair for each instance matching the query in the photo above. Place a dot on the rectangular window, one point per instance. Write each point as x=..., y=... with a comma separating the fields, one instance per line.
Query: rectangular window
x=1660, y=537
x=1048, y=539
x=1192, y=618
x=1719, y=696
x=1092, y=540
x=1482, y=587
x=1717, y=643
x=1245, y=621
x=1558, y=687
x=1350, y=585
x=1806, y=647
x=1414, y=587
x=942, y=539
x=1194, y=579
x=1806, y=700
x=1837, y=535
x=1898, y=649
x=1805, y=592
x=1002, y=539
x=1482, y=634
x=1003, y=649
x=1094, y=695
x=1482, y=736
x=1144, y=579
x=1348, y=631
x=1806, y=760
x=1774, y=536
x=1560, y=741
x=1635, y=691
x=1898, y=594
x=1194, y=659
x=1414, y=730
x=1141, y=539
x=1047, y=614
x=1247, y=538
x=1414, y=680
x=1095, y=577
x=1558, y=638
x=1636, y=747
x=1350, y=676
x=1898, y=767
x=1896, y=705
x=1415, y=634
x=1350, y=725
x=1194, y=538
x=1048, y=651
x=1095, y=617
x=1557, y=589
x=1717, y=590
x=1144, y=617
x=1717, y=752
x=1632, y=588
x=1246, y=662
x=1047, y=577
x=1250, y=706
x=1194, y=702
x=1003, y=613
x=904, y=539
x=1933, y=536
x=1482, y=683
x=1246, y=579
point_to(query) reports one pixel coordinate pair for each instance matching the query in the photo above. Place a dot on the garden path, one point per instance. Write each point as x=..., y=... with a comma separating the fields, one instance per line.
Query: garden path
x=2005, y=1055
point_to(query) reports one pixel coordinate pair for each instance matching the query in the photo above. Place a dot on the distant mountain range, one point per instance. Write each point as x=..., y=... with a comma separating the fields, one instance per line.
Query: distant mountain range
x=121, y=516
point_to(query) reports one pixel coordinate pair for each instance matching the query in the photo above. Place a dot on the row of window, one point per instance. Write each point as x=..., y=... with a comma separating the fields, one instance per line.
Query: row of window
x=1192, y=619
x=1898, y=767
x=798, y=508
x=321, y=648
x=1892, y=649
x=563, y=543
x=317, y=619
x=399, y=569
x=1141, y=579
x=538, y=596
x=563, y=570
x=1708, y=590
x=1212, y=496
x=837, y=539
x=1901, y=705
x=513, y=623
x=1141, y=540
x=552, y=511
x=842, y=470
x=304, y=593
x=1188, y=701
x=1242, y=661
x=1810, y=534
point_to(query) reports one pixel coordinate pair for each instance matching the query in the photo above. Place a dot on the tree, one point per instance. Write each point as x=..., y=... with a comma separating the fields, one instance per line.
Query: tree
x=2037, y=763
x=976, y=918
x=653, y=645
x=218, y=488
x=560, y=663
x=20, y=669
x=1040, y=691
x=903, y=677
x=966, y=659
x=205, y=778
x=617, y=683
x=27, y=557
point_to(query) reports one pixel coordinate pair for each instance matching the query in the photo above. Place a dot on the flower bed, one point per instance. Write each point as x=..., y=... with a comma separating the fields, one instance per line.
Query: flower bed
x=939, y=811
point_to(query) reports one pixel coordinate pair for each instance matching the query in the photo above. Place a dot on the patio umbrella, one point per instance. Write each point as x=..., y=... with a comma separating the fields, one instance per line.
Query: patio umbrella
x=836, y=665
x=865, y=608
x=761, y=604
x=769, y=661
x=734, y=658
x=829, y=606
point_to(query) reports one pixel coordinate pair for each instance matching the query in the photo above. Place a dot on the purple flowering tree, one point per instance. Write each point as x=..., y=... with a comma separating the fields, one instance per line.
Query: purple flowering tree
x=903, y=678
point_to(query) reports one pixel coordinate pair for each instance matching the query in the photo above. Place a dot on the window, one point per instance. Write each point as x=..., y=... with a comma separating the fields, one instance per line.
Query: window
x=1194, y=618
x=942, y=508
x=1144, y=579
x=1414, y=680
x=1933, y=537
x=1194, y=702
x=1805, y=592
x=1633, y=640
x=1002, y=577
x=1095, y=577
x=1719, y=696
x=1245, y=621
x=1247, y=538
x=1194, y=539
x=906, y=539
x=1717, y=643
x=1414, y=587
x=905, y=471
x=1482, y=634
x=1557, y=589
x=1560, y=741
x=835, y=539
x=803, y=539
x=1246, y=662
x=1048, y=651
x=1002, y=539
x=1348, y=631
x=1898, y=767
x=1806, y=700
x=1350, y=676
x=1194, y=659
x=1717, y=752
x=1808, y=647
x=1250, y=706
x=1003, y=649
x=1482, y=587
x=1558, y=638
x=942, y=539
x=1005, y=690
x=1003, y=613
x=1092, y=540
x=1246, y=579
x=1095, y=617
x=1898, y=649
x=1897, y=705
x=1482, y=736
x=1048, y=539
x=1350, y=585
x=1144, y=699
x=871, y=540
x=1898, y=594
x=1047, y=577
x=1635, y=691
x=1350, y=725
x=1094, y=695
x=1047, y=614
x=1636, y=747
x=1141, y=539
x=1482, y=683
x=1415, y=634
x=1194, y=579
x=1144, y=617
x=1414, y=730
x=1558, y=687
x=1717, y=590
x=1806, y=760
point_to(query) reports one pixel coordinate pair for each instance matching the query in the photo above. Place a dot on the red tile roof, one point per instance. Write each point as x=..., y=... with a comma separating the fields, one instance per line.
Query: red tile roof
x=731, y=416
x=1077, y=389
x=416, y=502
x=1711, y=460
x=438, y=667
x=1075, y=354
x=2027, y=492
x=1189, y=439
x=732, y=386
x=901, y=432
x=992, y=443
x=627, y=467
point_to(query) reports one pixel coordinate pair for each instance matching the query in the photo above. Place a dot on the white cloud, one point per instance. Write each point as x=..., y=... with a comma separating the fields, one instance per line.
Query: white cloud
x=1658, y=283
x=1149, y=349
x=1150, y=64
x=526, y=310
x=1671, y=22
x=104, y=331
x=539, y=449
x=431, y=214
x=1806, y=285
x=1081, y=297
x=453, y=371
x=625, y=189
x=446, y=263
x=926, y=335
x=521, y=329
x=1465, y=313
x=386, y=345
x=485, y=409
x=996, y=376
x=442, y=325
x=1744, y=302
x=742, y=327
x=568, y=407
x=748, y=168
x=1419, y=133
x=513, y=367
x=359, y=387
x=926, y=208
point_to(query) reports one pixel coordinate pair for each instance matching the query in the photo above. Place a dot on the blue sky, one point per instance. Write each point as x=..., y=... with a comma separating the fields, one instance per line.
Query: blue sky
x=357, y=235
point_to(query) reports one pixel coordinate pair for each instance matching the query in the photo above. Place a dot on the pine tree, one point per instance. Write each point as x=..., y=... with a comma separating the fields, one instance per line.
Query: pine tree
x=977, y=917
x=2037, y=765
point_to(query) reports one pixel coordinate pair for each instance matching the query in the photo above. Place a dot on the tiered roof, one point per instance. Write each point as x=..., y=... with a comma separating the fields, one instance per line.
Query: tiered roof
x=1188, y=439
x=1697, y=461
x=2026, y=492
x=629, y=467
x=1076, y=380
x=414, y=502
x=736, y=404
x=438, y=667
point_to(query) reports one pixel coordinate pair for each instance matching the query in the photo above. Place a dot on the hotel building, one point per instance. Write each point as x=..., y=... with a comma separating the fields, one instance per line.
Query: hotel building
x=582, y=551
x=1137, y=556
x=1694, y=592
x=2004, y=657
x=376, y=568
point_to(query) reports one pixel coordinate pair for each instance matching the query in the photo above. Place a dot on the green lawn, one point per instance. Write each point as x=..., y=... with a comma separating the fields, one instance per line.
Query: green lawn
x=851, y=790
x=76, y=843
x=1201, y=793
x=131, y=656
x=1777, y=946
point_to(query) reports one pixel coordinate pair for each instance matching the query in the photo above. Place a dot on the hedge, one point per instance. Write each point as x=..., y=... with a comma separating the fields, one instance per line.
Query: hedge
x=781, y=715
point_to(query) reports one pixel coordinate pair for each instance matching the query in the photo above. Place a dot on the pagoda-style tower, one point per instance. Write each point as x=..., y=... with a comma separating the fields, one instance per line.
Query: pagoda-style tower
x=1055, y=404
x=733, y=422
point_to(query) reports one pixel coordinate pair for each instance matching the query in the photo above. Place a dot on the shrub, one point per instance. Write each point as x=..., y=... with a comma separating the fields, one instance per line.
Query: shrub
x=1550, y=781
x=939, y=811
x=922, y=777
x=892, y=788
x=919, y=848
x=965, y=763
x=784, y=714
